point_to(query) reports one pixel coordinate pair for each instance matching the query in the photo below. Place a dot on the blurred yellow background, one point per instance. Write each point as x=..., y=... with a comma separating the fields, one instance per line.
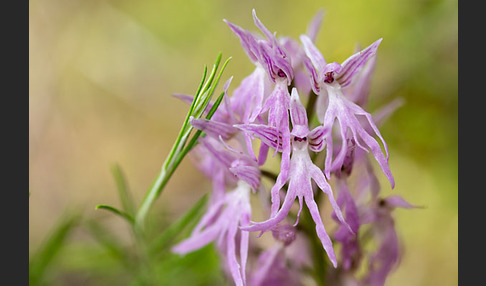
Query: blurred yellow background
x=101, y=76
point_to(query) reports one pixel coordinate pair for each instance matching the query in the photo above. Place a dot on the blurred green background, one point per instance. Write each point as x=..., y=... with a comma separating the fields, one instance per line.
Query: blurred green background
x=101, y=76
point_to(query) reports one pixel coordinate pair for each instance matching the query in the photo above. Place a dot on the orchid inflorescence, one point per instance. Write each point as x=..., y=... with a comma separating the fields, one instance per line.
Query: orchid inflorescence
x=267, y=108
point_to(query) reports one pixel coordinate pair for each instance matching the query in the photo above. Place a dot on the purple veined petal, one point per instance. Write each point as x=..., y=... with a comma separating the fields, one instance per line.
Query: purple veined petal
x=262, y=154
x=258, y=96
x=373, y=144
x=321, y=182
x=277, y=64
x=322, y=104
x=298, y=116
x=231, y=254
x=275, y=194
x=378, y=154
x=314, y=78
x=314, y=54
x=247, y=40
x=213, y=210
x=197, y=241
x=395, y=201
x=316, y=138
x=278, y=105
x=274, y=220
x=226, y=103
x=300, y=210
x=338, y=160
x=353, y=64
x=321, y=230
x=249, y=174
x=328, y=121
x=267, y=134
x=314, y=25
x=220, y=155
x=214, y=128
x=262, y=28
x=245, y=238
x=361, y=84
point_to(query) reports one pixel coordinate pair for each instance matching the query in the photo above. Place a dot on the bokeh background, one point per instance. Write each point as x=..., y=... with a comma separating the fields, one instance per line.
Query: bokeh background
x=101, y=76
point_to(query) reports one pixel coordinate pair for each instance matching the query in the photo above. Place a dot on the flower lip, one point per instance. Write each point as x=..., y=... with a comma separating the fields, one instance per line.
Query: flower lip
x=330, y=70
x=281, y=73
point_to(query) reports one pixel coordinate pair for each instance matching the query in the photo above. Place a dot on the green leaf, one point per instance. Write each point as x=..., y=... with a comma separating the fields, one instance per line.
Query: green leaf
x=179, y=150
x=178, y=226
x=114, y=210
x=45, y=254
x=123, y=190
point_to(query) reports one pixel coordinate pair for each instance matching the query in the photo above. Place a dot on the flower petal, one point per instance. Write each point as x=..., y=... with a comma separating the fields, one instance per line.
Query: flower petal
x=267, y=134
x=298, y=116
x=316, y=138
x=314, y=54
x=321, y=230
x=197, y=241
x=314, y=25
x=354, y=63
x=321, y=182
x=247, y=40
x=214, y=128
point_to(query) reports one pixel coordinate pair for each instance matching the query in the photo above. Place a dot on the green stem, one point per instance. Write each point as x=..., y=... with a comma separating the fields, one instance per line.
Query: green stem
x=180, y=148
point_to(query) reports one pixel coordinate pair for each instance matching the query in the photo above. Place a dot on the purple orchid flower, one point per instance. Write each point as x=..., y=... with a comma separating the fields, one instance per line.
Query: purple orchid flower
x=221, y=223
x=367, y=182
x=328, y=81
x=227, y=212
x=267, y=54
x=301, y=171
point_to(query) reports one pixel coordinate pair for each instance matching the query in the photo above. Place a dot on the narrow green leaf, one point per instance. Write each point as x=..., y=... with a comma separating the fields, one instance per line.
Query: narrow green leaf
x=178, y=150
x=45, y=254
x=209, y=82
x=114, y=210
x=178, y=226
x=198, y=133
x=123, y=190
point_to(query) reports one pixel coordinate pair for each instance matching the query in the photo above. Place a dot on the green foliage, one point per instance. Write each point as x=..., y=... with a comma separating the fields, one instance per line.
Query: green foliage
x=180, y=149
x=40, y=261
x=175, y=228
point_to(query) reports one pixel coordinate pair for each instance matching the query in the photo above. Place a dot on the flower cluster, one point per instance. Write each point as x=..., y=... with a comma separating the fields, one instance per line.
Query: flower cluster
x=267, y=108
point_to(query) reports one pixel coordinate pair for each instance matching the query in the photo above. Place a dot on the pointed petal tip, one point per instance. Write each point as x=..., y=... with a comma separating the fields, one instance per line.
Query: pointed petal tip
x=304, y=37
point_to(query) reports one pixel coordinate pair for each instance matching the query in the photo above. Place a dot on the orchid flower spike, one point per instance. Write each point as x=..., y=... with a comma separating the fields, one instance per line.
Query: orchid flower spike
x=328, y=81
x=301, y=171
